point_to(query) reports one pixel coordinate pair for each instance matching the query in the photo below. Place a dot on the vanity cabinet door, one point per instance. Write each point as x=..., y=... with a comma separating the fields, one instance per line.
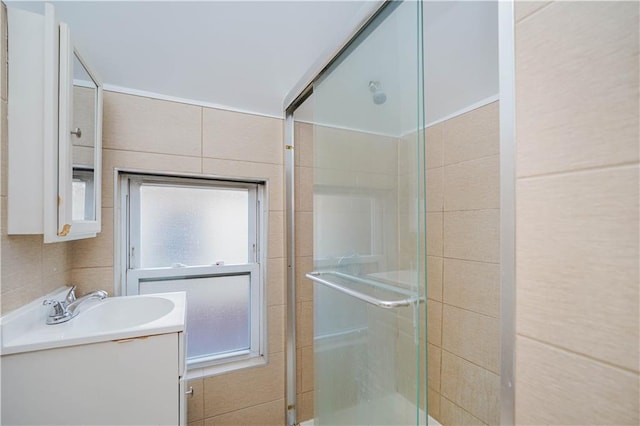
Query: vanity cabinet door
x=124, y=382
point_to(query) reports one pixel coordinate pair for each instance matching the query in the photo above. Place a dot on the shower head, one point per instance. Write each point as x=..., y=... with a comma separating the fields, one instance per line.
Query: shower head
x=379, y=97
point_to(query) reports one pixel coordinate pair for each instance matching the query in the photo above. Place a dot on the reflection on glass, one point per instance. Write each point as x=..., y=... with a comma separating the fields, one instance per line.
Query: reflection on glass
x=83, y=141
x=369, y=227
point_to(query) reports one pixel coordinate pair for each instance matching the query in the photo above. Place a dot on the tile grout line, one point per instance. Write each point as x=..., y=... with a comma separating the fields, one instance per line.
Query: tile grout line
x=463, y=409
x=470, y=362
x=580, y=354
x=584, y=170
x=524, y=18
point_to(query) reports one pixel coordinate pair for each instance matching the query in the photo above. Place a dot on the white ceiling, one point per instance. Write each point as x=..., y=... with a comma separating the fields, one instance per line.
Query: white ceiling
x=240, y=55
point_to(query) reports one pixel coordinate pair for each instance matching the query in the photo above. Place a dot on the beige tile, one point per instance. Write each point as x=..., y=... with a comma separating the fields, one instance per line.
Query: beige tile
x=305, y=406
x=276, y=284
x=141, y=161
x=276, y=326
x=433, y=399
x=4, y=92
x=276, y=235
x=90, y=279
x=434, y=322
x=435, y=189
x=434, y=234
x=244, y=388
x=304, y=324
x=558, y=387
x=435, y=147
x=267, y=414
x=195, y=401
x=196, y=423
x=577, y=266
x=472, y=285
x=98, y=251
x=304, y=233
x=471, y=387
x=307, y=368
x=304, y=286
x=244, y=137
x=472, y=235
x=523, y=8
x=472, y=135
x=572, y=111
x=434, y=277
x=142, y=124
x=434, y=359
x=304, y=189
x=56, y=259
x=4, y=149
x=21, y=261
x=304, y=144
x=474, y=337
x=451, y=414
x=274, y=173
x=472, y=185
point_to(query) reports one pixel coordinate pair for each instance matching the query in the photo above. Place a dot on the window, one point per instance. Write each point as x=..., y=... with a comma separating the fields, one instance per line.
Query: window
x=202, y=237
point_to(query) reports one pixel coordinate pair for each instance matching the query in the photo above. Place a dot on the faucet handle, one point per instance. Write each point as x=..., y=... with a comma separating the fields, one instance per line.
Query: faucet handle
x=71, y=295
x=57, y=308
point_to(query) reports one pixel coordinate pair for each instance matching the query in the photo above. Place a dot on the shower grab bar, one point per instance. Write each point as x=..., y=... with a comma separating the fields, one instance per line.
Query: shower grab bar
x=387, y=304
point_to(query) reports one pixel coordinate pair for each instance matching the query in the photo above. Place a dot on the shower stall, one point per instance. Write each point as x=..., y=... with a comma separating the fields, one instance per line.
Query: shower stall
x=393, y=165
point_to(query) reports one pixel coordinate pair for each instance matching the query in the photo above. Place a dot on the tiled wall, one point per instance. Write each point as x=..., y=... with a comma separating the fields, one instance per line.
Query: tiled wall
x=155, y=135
x=577, y=121
x=28, y=267
x=463, y=214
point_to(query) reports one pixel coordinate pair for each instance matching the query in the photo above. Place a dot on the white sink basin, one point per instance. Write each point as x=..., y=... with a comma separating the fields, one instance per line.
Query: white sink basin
x=113, y=318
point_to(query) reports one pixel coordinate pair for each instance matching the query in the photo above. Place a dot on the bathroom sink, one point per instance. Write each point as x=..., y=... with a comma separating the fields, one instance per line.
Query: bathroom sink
x=113, y=318
x=117, y=313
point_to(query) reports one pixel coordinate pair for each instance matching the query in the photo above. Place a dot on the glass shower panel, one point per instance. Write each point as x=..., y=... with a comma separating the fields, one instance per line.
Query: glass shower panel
x=369, y=228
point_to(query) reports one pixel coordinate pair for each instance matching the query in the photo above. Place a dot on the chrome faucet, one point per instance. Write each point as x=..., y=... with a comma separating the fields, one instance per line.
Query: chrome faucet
x=64, y=310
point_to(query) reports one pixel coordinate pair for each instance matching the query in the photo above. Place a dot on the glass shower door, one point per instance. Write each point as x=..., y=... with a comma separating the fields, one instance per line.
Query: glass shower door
x=369, y=228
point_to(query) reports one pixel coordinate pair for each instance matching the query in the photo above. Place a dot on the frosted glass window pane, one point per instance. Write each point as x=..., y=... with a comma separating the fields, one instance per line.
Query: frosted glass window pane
x=218, y=315
x=193, y=226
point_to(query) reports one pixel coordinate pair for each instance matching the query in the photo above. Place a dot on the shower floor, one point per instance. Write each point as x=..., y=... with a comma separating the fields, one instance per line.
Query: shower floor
x=398, y=403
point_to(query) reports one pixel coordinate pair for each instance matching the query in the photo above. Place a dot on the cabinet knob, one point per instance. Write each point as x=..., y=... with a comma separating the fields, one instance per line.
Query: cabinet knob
x=77, y=131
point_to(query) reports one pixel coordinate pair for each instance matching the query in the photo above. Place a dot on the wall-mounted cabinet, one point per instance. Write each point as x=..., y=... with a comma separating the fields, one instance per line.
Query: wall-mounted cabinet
x=55, y=131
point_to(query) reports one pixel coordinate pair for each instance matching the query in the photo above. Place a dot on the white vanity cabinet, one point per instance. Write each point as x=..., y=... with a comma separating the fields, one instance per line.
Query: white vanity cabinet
x=121, y=382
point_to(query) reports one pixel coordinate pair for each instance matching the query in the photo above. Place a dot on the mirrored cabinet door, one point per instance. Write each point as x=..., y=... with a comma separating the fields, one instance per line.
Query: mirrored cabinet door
x=79, y=150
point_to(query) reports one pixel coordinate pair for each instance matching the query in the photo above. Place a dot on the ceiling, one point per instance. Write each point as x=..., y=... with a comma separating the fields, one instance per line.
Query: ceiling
x=239, y=55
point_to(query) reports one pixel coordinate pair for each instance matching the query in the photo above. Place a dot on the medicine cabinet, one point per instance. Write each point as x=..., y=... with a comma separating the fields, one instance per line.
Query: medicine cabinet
x=55, y=131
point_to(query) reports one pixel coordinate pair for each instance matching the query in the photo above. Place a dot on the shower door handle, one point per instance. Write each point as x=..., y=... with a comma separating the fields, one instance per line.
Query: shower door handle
x=387, y=304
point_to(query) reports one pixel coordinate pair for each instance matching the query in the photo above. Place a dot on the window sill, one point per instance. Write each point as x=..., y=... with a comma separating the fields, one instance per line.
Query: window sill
x=215, y=370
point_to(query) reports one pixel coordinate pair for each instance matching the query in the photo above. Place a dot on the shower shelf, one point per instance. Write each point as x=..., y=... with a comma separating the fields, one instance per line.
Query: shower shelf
x=343, y=280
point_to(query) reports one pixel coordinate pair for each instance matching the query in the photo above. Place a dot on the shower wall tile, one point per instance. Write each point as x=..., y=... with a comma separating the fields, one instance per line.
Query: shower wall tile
x=303, y=189
x=304, y=324
x=472, y=235
x=304, y=233
x=472, y=185
x=576, y=112
x=472, y=135
x=276, y=328
x=276, y=241
x=559, y=387
x=243, y=137
x=274, y=173
x=267, y=414
x=434, y=322
x=434, y=234
x=435, y=148
x=453, y=415
x=472, y=387
x=434, y=277
x=578, y=235
x=307, y=369
x=474, y=337
x=305, y=406
x=135, y=123
x=435, y=189
x=474, y=286
x=304, y=286
x=141, y=161
x=434, y=359
x=303, y=144
x=90, y=279
x=524, y=8
x=245, y=388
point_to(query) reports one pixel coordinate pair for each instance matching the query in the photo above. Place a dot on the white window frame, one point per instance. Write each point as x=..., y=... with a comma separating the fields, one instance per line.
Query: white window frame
x=131, y=276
